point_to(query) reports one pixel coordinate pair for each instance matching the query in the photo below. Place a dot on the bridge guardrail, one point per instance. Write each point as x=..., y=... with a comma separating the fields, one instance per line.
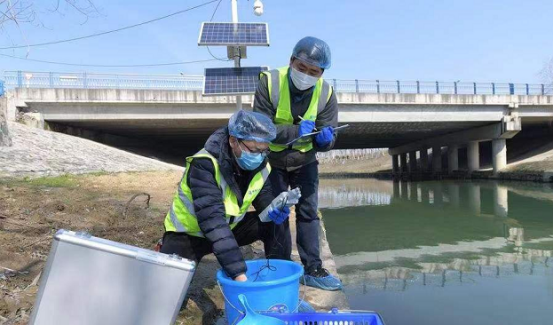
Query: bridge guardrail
x=1, y=88
x=28, y=79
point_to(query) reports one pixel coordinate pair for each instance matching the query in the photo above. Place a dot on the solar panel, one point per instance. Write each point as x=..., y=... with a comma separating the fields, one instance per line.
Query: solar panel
x=252, y=34
x=231, y=81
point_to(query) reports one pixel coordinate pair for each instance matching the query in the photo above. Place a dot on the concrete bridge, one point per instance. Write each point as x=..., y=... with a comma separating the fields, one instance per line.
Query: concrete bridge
x=410, y=123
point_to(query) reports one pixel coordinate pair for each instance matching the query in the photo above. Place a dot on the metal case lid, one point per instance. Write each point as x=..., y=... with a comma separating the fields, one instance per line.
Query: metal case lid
x=87, y=240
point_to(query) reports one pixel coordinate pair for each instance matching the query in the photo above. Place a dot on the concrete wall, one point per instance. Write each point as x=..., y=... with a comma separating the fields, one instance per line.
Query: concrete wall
x=5, y=139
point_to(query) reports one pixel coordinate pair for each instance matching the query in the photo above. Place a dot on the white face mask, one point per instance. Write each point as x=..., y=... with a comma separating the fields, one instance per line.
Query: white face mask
x=301, y=80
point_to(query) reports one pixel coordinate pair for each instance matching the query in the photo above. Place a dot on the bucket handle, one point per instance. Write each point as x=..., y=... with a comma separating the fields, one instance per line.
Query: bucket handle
x=303, y=294
x=230, y=304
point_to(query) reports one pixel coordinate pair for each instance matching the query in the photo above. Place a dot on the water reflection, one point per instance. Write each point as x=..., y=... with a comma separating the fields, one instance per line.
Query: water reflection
x=420, y=231
x=469, y=249
x=335, y=193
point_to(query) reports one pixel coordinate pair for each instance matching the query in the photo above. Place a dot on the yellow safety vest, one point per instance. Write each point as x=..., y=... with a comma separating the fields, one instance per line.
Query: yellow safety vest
x=181, y=216
x=279, y=93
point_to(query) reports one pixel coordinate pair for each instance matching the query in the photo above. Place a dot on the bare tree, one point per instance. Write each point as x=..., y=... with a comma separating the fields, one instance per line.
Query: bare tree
x=546, y=76
x=18, y=12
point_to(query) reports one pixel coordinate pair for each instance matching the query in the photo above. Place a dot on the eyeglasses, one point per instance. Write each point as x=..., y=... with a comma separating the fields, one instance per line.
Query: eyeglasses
x=255, y=150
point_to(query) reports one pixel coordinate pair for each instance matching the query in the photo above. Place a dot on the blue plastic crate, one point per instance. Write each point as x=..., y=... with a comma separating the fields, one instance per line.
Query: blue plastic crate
x=335, y=317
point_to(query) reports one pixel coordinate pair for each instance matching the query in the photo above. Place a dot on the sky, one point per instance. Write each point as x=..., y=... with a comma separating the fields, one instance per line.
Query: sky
x=427, y=40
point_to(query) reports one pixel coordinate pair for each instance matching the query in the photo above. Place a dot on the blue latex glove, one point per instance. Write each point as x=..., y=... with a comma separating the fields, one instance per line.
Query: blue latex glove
x=306, y=126
x=324, y=137
x=278, y=216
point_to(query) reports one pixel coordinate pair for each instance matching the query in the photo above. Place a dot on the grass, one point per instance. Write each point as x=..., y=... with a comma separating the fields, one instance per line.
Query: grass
x=55, y=181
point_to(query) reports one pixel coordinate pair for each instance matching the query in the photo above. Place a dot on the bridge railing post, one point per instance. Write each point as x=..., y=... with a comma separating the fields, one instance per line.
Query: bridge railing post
x=527, y=89
x=417, y=86
x=357, y=86
x=19, y=79
x=398, y=86
x=493, y=88
x=437, y=86
x=335, y=84
x=475, y=88
x=455, y=88
x=512, y=90
x=85, y=82
x=378, y=87
x=51, y=79
x=542, y=89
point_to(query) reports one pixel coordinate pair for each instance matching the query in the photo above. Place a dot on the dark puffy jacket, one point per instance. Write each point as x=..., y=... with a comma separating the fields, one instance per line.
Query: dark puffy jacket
x=208, y=203
x=290, y=159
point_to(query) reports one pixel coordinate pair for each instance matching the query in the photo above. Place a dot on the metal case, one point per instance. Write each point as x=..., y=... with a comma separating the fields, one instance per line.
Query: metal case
x=93, y=281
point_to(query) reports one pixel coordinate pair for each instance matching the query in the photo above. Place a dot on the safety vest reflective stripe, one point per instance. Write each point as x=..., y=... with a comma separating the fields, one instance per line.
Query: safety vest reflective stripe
x=182, y=217
x=279, y=92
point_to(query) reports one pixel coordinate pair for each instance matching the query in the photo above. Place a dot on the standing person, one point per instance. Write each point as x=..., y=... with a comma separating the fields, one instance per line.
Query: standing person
x=220, y=183
x=299, y=101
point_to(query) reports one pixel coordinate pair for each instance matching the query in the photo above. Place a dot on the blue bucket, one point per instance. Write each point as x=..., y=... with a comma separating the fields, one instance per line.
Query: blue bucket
x=275, y=288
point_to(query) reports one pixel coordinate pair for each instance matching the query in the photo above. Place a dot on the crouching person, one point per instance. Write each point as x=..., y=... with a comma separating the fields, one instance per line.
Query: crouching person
x=220, y=183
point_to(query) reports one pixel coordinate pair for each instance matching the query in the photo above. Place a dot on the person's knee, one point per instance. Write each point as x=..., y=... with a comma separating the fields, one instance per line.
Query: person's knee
x=307, y=210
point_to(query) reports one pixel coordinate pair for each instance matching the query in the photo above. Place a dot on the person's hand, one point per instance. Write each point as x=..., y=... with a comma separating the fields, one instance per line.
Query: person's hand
x=324, y=137
x=241, y=278
x=306, y=126
x=278, y=216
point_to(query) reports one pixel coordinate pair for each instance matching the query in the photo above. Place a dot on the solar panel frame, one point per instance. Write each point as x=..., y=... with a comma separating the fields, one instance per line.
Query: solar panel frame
x=238, y=87
x=222, y=42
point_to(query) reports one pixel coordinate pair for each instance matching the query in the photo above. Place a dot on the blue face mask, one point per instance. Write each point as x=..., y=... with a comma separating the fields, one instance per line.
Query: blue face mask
x=249, y=160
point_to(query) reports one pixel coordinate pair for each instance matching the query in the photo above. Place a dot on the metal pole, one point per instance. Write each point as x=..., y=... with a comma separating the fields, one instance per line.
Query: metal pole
x=235, y=19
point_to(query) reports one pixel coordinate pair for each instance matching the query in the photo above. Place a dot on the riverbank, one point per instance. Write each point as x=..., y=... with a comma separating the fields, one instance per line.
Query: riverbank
x=33, y=209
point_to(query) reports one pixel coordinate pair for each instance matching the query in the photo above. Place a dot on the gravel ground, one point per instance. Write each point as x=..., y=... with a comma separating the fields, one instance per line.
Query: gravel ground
x=37, y=152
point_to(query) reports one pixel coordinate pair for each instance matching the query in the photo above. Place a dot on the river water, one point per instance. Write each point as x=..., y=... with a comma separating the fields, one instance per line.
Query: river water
x=448, y=252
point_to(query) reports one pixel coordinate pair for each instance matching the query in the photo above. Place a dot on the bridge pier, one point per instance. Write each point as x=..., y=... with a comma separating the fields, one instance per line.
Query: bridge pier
x=423, y=160
x=452, y=158
x=403, y=163
x=437, y=159
x=413, y=162
x=473, y=156
x=499, y=159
